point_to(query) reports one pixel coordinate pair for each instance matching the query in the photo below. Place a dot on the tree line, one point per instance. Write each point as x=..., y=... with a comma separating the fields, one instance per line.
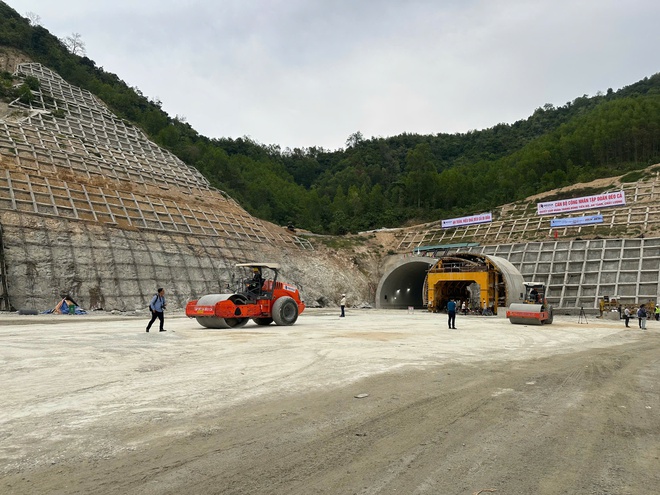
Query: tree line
x=384, y=182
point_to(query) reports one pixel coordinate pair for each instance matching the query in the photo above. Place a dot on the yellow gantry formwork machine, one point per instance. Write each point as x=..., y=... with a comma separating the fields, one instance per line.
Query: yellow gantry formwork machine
x=452, y=277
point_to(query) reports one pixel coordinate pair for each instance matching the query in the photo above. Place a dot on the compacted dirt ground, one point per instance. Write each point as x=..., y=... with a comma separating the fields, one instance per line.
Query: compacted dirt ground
x=379, y=402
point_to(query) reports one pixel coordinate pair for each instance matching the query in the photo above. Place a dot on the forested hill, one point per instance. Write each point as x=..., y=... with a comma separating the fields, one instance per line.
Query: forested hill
x=383, y=182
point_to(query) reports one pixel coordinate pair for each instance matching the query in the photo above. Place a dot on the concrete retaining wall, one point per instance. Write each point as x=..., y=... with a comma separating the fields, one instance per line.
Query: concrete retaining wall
x=115, y=269
x=580, y=272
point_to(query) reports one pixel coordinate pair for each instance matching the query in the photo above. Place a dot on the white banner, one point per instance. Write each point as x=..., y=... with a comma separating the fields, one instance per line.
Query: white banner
x=604, y=200
x=472, y=220
x=567, y=222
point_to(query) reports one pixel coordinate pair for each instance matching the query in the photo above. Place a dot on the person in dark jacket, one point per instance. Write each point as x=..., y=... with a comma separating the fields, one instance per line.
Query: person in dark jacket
x=641, y=316
x=157, y=307
x=451, y=311
x=257, y=281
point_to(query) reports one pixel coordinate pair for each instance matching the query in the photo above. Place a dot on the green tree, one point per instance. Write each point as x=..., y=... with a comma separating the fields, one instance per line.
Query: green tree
x=421, y=177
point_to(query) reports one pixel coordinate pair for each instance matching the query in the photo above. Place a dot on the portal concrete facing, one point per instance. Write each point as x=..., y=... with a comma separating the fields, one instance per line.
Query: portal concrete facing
x=580, y=272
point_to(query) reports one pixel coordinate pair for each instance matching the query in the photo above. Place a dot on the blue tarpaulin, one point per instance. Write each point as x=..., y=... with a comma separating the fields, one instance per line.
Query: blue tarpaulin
x=66, y=307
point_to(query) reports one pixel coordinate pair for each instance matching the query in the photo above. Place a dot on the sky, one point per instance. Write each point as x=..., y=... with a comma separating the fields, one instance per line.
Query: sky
x=310, y=73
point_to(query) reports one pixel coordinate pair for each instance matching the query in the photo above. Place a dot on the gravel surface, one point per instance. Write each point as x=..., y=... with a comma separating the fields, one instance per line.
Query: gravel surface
x=379, y=402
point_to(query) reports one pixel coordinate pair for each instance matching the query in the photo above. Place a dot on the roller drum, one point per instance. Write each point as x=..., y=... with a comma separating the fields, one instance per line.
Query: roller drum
x=525, y=314
x=214, y=321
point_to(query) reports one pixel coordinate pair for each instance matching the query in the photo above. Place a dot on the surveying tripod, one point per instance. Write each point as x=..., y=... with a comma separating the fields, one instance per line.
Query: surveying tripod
x=582, y=316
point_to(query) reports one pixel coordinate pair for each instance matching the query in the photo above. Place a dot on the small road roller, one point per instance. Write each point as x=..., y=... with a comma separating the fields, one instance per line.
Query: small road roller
x=534, y=310
x=260, y=298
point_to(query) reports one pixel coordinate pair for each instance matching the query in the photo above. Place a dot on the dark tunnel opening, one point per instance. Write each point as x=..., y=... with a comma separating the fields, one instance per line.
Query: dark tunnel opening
x=403, y=286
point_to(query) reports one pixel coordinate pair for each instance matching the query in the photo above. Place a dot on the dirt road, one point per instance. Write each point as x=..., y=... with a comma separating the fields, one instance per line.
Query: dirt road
x=377, y=403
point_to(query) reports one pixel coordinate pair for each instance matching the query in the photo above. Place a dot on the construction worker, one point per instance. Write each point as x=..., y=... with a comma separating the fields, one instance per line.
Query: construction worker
x=451, y=312
x=342, y=305
x=641, y=315
x=657, y=313
x=533, y=295
x=257, y=281
x=157, y=307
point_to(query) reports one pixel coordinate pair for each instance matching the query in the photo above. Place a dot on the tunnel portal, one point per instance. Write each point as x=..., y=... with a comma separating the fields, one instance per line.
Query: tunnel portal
x=422, y=282
x=403, y=286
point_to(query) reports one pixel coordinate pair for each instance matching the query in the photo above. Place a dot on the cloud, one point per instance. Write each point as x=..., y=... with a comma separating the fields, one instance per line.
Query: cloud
x=309, y=73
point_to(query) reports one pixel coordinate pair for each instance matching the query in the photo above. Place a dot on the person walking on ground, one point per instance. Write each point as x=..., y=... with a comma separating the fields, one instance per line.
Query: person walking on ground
x=626, y=315
x=451, y=311
x=657, y=313
x=464, y=308
x=157, y=307
x=342, y=305
x=641, y=315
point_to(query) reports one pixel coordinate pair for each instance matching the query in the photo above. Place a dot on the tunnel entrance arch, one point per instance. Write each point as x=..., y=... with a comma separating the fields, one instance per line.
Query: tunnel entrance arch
x=424, y=282
x=403, y=285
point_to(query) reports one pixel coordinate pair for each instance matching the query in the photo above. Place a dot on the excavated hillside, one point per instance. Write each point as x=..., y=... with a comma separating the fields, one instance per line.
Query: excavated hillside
x=93, y=210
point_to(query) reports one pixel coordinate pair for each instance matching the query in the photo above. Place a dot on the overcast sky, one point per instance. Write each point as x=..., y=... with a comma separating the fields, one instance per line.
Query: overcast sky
x=301, y=73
